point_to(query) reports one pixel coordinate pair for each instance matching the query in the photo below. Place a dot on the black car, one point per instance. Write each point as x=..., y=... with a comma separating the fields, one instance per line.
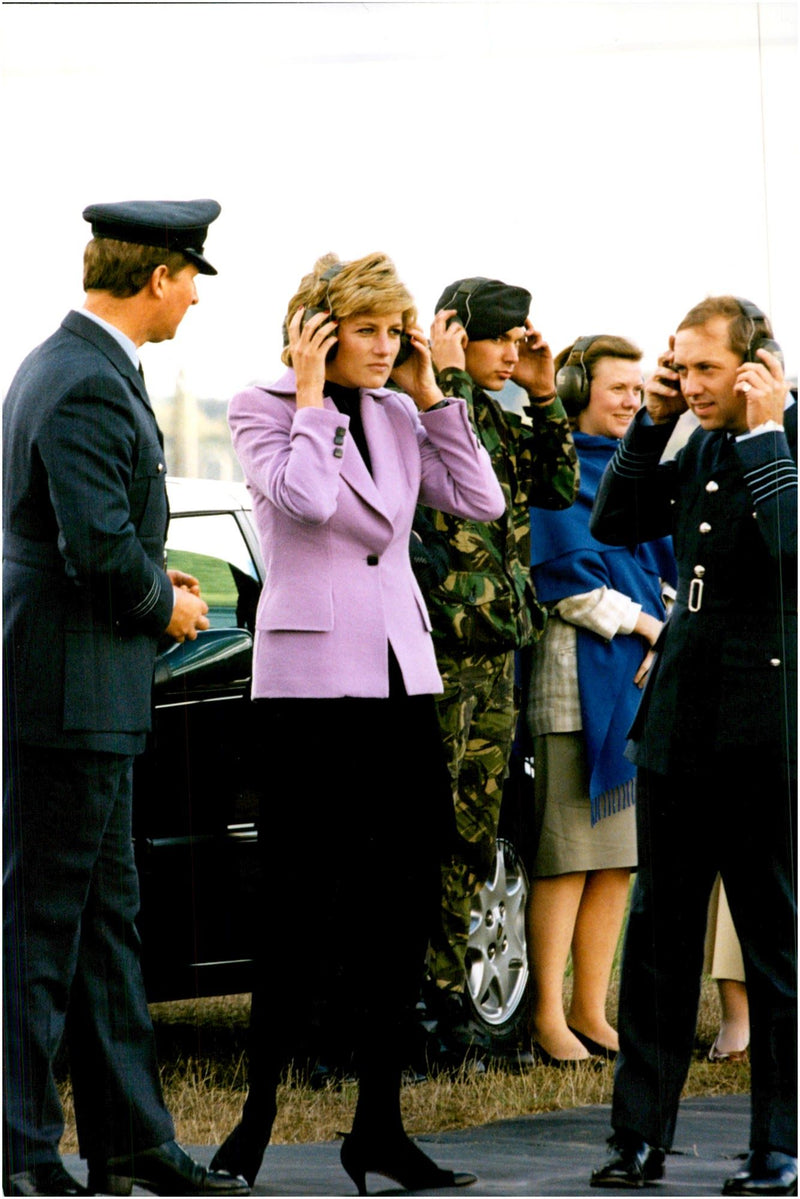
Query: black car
x=196, y=794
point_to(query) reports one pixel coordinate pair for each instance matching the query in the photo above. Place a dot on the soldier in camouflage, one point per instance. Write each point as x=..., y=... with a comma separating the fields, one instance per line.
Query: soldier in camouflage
x=484, y=607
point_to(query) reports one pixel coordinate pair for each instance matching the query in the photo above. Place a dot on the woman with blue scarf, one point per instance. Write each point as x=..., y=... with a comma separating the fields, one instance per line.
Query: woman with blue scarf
x=606, y=609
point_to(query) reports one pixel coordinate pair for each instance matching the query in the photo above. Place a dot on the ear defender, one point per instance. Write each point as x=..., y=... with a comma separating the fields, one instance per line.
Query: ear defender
x=326, y=277
x=758, y=340
x=573, y=384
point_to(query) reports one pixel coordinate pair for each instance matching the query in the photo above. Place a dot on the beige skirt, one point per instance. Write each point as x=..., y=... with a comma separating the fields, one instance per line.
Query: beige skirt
x=723, y=954
x=566, y=841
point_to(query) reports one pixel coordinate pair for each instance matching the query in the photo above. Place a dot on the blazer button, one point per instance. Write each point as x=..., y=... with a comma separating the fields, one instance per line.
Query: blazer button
x=339, y=438
x=372, y=559
x=160, y=467
x=699, y=571
x=338, y=452
x=340, y=430
x=712, y=485
x=774, y=661
x=705, y=527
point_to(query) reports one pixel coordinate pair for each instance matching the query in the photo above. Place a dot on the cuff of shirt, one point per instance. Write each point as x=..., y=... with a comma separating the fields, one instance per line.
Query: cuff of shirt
x=769, y=426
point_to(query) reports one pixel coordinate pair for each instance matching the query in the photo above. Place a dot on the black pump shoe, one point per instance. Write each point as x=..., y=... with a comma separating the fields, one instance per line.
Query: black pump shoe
x=593, y=1046
x=166, y=1170
x=242, y=1151
x=399, y=1159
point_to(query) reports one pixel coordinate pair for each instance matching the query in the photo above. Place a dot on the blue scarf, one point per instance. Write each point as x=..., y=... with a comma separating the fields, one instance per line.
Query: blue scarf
x=567, y=560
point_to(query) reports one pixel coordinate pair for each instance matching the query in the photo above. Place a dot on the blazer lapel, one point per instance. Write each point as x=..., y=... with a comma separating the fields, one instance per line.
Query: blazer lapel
x=354, y=470
x=89, y=330
x=388, y=458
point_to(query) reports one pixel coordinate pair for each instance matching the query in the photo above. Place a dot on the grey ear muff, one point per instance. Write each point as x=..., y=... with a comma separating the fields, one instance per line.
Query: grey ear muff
x=573, y=384
x=326, y=277
x=758, y=341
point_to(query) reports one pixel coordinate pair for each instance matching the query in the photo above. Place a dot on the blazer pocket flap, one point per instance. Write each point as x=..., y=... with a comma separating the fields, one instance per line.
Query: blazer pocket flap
x=306, y=609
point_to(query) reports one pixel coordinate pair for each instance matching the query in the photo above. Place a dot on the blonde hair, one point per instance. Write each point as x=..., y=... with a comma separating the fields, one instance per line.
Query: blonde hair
x=369, y=284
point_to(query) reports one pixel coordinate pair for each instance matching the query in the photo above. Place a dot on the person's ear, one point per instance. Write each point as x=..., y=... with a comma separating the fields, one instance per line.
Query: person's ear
x=156, y=284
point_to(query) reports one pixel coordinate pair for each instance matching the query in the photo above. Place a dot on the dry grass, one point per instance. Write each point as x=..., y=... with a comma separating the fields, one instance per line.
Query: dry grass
x=202, y=1047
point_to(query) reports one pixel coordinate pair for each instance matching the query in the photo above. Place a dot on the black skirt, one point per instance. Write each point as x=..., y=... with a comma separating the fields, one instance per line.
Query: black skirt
x=356, y=817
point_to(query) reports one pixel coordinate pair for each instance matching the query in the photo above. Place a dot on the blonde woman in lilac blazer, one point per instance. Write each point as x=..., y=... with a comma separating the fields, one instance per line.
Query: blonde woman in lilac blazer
x=355, y=813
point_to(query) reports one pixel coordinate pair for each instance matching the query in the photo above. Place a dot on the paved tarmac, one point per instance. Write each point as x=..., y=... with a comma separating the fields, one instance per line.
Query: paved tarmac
x=551, y=1154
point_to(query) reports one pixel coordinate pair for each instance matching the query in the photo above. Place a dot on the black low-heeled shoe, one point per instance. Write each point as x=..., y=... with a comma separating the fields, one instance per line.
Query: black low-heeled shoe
x=242, y=1151
x=593, y=1046
x=399, y=1159
x=542, y=1058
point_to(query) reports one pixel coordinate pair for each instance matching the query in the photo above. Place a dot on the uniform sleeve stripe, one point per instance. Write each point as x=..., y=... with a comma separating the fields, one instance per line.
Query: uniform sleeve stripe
x=631, y=465
x=149, y=602
x=772, y=478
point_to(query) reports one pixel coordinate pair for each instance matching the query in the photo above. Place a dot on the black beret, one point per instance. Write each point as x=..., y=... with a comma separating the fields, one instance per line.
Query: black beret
x=486, y=307
x=170, y=224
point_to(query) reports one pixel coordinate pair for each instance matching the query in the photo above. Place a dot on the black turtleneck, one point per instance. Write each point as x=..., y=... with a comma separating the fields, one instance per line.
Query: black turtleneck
x=348, y=401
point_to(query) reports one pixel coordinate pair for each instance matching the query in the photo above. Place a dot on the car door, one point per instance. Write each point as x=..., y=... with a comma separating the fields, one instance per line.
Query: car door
x=195, y=794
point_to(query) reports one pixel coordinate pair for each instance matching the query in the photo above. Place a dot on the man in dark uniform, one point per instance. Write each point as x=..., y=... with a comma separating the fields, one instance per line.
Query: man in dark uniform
x=715, y=737
x=86, y=597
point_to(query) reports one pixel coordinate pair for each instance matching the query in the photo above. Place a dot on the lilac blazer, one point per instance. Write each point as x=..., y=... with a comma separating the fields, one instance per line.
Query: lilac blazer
x=338, y=583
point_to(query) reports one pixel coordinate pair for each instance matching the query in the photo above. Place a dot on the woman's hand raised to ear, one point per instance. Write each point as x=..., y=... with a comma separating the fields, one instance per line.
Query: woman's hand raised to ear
x=310, y=343
x=416, y=375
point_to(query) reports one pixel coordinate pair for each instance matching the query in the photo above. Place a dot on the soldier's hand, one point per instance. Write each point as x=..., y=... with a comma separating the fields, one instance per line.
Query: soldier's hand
x=448, y=342
x=188, y=615
x=534, y=371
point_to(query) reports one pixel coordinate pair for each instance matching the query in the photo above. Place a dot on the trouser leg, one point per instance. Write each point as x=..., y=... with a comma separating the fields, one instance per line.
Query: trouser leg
x=44, y=890
x=57, y=807
x=477, y=716
x=759, y=872
x=119, y=1106
x=662, y=956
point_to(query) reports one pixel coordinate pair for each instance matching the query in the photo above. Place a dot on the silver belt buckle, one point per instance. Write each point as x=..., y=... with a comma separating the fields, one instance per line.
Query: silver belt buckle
x=695, y=595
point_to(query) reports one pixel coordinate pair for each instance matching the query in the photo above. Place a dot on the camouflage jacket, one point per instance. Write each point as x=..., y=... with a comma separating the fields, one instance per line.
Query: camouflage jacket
x=486, y=602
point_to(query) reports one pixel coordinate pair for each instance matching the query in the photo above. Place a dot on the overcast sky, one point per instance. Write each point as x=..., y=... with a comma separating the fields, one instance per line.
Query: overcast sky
x=620, y=160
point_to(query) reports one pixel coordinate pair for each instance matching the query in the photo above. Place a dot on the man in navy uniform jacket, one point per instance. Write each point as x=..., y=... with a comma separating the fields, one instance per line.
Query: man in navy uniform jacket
x=86, y=597
x=715, y=737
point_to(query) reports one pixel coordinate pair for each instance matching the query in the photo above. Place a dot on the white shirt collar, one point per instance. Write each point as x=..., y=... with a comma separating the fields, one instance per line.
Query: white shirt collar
x=121, y=338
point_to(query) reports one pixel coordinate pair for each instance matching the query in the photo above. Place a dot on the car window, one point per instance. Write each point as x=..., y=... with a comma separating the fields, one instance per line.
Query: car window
x=212, y=548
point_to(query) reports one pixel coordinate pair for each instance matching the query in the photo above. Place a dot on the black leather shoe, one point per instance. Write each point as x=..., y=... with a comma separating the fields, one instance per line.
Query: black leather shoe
x=49, y=1178
x=632, y=1163
x=165, y=1170
x=766, y=1172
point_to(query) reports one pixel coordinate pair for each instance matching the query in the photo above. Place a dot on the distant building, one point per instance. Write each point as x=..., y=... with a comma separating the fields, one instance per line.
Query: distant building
x=197, y=440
